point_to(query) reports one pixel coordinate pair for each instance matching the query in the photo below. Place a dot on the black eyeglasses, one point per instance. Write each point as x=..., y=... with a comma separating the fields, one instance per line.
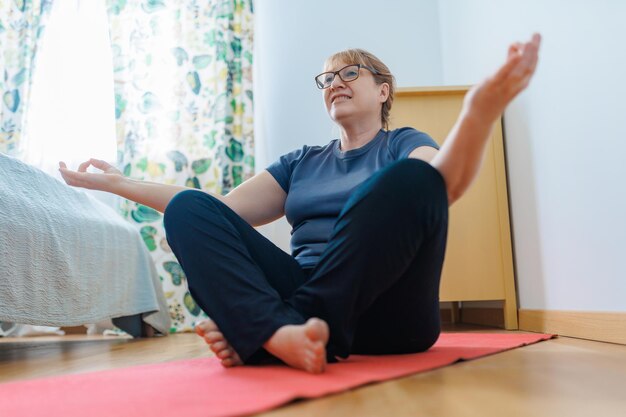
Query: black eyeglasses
x=347, y=74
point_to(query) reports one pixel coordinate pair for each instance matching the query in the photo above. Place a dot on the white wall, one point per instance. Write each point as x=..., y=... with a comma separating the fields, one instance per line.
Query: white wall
x=565, y=140
x=293, y=38
x=564, y=135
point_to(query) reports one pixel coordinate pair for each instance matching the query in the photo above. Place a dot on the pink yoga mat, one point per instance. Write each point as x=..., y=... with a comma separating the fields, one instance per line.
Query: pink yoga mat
x=203, y=388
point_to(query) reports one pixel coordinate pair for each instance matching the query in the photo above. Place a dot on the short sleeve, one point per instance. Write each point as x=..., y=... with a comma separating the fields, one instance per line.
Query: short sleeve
x=403, y=141
x=283, y=168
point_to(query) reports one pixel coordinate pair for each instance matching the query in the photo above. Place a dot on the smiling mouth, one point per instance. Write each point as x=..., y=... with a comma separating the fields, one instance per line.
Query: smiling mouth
x=341, y=98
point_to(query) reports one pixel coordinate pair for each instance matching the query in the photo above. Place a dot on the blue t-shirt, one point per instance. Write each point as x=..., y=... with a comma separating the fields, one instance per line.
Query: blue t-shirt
x=319, y=180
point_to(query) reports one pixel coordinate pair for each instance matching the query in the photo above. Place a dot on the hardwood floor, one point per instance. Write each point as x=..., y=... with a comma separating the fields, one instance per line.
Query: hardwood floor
x=559, y=377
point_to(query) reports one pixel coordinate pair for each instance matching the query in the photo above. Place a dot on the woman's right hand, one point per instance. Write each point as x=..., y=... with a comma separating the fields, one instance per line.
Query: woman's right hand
x=104, y=181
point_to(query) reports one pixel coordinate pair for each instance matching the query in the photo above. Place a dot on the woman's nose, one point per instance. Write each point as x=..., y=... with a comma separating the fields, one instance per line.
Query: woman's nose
x=337, y=81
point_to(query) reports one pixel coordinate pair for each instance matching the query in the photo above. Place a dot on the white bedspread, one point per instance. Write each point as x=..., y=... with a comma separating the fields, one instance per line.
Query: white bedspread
x=67, y=259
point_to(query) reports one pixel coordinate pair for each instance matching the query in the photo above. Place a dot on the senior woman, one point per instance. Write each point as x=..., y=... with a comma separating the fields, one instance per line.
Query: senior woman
x=369, y=213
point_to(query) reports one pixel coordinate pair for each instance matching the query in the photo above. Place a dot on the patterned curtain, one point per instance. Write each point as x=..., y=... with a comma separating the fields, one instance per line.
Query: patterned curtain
x=21, y=25
x=183, y=94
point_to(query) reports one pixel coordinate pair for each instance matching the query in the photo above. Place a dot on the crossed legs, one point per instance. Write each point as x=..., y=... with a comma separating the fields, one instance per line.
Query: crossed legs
x=374, y=289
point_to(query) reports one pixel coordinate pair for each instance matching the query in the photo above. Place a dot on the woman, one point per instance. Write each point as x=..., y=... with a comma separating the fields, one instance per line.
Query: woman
x=369, y=213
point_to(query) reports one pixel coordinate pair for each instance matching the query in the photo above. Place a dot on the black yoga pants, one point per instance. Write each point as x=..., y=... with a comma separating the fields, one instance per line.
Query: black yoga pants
x=376, y=284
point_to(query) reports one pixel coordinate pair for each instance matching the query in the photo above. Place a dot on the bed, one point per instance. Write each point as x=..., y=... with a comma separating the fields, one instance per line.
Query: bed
x=67, y=259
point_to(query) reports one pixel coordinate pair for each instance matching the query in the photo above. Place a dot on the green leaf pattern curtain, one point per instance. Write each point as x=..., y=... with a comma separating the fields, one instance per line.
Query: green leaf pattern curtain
x=21, y=25
x=183, y=94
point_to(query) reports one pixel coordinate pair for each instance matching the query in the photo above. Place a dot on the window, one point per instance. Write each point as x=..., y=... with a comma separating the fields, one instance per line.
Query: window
x=71, y=115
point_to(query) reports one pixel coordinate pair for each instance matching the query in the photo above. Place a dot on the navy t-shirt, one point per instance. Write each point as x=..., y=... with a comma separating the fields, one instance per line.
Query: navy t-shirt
x=319, y=180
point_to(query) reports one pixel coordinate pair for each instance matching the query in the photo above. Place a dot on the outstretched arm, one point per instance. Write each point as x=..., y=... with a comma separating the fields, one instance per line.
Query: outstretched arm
x=111, y=180
x=259, y=200
x=461, y=155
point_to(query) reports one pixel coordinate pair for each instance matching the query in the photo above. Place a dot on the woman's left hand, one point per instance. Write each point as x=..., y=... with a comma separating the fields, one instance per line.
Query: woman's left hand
x=488, y=99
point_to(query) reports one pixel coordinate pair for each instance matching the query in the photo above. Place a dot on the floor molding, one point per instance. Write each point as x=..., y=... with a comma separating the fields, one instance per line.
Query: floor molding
x=598, y=326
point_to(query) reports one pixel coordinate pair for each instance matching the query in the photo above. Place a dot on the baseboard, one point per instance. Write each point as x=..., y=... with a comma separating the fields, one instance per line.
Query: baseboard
x=602, y=327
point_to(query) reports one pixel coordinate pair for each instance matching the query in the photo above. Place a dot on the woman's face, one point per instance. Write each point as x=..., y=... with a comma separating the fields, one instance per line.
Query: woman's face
x=356, y=100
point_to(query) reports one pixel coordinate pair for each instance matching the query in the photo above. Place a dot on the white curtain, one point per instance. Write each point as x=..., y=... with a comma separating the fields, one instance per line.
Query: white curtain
x=71, y=116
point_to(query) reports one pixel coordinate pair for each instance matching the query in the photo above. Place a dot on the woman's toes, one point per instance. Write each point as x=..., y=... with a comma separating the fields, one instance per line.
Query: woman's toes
x=210, y=325
x=199, y=330
x=219, y=346
x=218, y=343
x=207, y=340
x=212, y=340
x=224, y=353
x=214, y=336
x=318, y=349
x=234, y=359
x=313, y=367
x=205, y=326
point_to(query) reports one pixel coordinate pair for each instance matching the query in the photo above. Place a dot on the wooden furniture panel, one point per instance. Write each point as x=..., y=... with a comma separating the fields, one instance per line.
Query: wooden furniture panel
x=479, y=262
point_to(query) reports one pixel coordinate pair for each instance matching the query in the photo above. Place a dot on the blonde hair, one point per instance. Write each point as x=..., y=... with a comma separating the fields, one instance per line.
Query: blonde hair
x=360, y=56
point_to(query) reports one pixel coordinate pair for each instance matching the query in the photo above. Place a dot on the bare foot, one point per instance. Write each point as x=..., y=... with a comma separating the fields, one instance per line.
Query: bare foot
x=301, y=346
x=208, y=330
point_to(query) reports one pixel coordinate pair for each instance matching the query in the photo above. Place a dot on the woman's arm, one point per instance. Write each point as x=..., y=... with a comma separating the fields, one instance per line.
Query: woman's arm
x=461, y=155
x=425, y=153
x=258, y=200
x=111, y=180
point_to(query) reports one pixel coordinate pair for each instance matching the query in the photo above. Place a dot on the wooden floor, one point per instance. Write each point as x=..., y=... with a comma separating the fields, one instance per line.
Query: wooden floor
x=559, y=377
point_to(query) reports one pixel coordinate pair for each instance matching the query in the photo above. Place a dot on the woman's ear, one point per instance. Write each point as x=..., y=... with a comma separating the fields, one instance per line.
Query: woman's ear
x=384, y=92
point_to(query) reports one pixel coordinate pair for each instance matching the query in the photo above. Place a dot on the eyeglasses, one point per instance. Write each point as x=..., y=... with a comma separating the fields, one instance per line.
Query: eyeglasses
x=347, y=74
